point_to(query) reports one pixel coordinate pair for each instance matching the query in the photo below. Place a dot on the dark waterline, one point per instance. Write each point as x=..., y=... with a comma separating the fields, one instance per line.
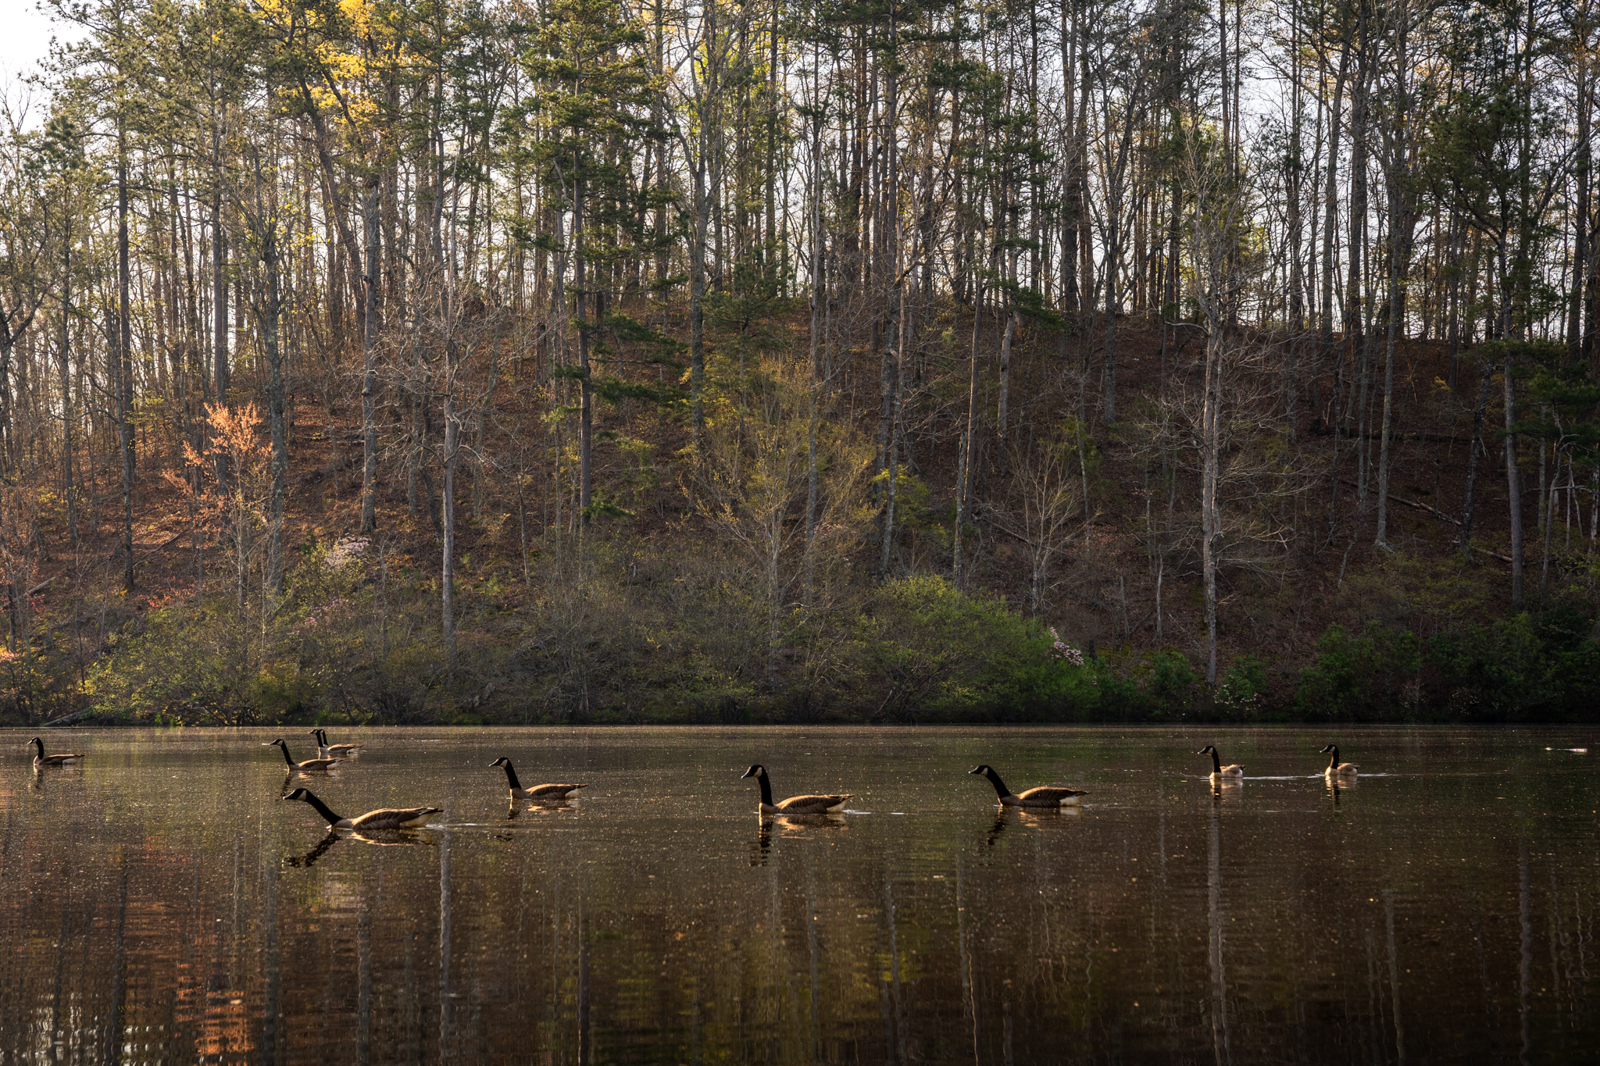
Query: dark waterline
x=161, y=904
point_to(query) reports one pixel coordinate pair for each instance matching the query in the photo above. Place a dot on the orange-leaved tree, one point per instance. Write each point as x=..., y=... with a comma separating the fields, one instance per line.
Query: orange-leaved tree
x=235, y=510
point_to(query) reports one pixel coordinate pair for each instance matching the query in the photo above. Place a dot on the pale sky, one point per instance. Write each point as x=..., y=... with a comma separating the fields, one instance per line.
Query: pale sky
x=25, y=33
x=24, y=37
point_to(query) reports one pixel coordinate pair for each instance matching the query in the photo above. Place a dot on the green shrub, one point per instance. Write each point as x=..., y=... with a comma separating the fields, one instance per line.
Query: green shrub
x=932, y=649
x=1239, y=693
x=1523, y=668
x=1367, y=675
x=1170, y=684
x=190, y=663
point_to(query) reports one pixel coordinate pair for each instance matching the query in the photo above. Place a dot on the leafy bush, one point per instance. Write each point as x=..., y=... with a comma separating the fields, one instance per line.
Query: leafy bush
x=1521, y=668
x=1366, y=675
x=1171, y=682
x=936, y=650
x=1240, y=691
x=190, y=663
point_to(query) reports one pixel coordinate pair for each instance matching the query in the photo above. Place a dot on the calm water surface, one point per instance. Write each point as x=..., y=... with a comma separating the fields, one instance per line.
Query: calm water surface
x=161, y=905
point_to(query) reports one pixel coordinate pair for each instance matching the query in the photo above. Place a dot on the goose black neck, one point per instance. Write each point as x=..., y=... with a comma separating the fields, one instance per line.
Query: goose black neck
x=1216, y=762
x=1333, y=762
x=511, y=776
x=36, y=742
x=1000, y=788
x=285, y=749
x=322, y=808
x=766, y=787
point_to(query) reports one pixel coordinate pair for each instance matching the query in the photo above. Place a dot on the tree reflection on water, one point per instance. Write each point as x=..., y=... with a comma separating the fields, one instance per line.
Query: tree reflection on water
x=163, y=912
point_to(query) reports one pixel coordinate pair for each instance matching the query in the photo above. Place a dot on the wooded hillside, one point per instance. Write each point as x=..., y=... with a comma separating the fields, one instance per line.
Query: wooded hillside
x=571, y=360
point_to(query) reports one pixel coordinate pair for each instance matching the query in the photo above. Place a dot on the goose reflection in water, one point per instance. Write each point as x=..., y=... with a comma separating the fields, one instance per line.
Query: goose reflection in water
x=792, y=825
x=539, y=810
x=383, y=838
x=389, y=838
x=797, y=824
x=1038, y=820
x=763, y=842
x=310, y=858
x=1226, y=788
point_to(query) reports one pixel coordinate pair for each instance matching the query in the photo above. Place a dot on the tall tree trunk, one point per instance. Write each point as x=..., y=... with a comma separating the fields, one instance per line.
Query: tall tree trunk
x=968, y=439
x=1108, y=381
x=1513, y=483
x=1354, y=323
x=64, y=366
x=1329, y=229
x=1581, y=251
x=1479, y=413
x=124, y=359
x=586, y=394
x=1296, y=308
x=697, y=293
x=1399, y=220
x=270, y=317
x=818, y=296
x=369, y=364
x=895, y=318
x=219, y=286
x=1073, y=207
x=1210, y=462
x=447, y=508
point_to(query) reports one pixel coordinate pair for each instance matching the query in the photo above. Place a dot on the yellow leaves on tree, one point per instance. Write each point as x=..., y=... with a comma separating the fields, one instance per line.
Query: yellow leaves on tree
x=345, y=43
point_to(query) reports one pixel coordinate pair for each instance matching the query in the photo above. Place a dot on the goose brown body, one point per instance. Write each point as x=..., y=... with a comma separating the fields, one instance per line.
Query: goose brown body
x=41, y=759
x=1042, y=796
x=380, y=819
x=1335, y=767
x=309, y=766
x=823, y=804
x=333, y=751
x=547, y=793
x=1233, y=771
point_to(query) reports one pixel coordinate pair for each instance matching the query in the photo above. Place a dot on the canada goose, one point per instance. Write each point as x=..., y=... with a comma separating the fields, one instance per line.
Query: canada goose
x=538, y=793
x=1218, y=771
x=1335, y=767
x=304, y=767
x=1043, y=796
x=41, y=759
x=383, y=818
x=794, y=804
x=333, y=751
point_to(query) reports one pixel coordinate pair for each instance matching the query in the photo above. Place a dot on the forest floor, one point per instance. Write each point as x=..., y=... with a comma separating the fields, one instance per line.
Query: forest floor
x=1314, y=564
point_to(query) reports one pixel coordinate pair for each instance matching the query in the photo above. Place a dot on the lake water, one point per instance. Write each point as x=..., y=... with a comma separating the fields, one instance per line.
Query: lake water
x=160, y=904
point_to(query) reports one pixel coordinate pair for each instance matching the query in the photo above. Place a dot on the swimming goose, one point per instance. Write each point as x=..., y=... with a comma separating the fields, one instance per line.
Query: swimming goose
x=41, y=759
x=1335, y=767
x=794, y=804
x=383, y=818
x=1218, y=771
x=538, y=793
x=309, y=765
x=1043, y=796
x=333, y=751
